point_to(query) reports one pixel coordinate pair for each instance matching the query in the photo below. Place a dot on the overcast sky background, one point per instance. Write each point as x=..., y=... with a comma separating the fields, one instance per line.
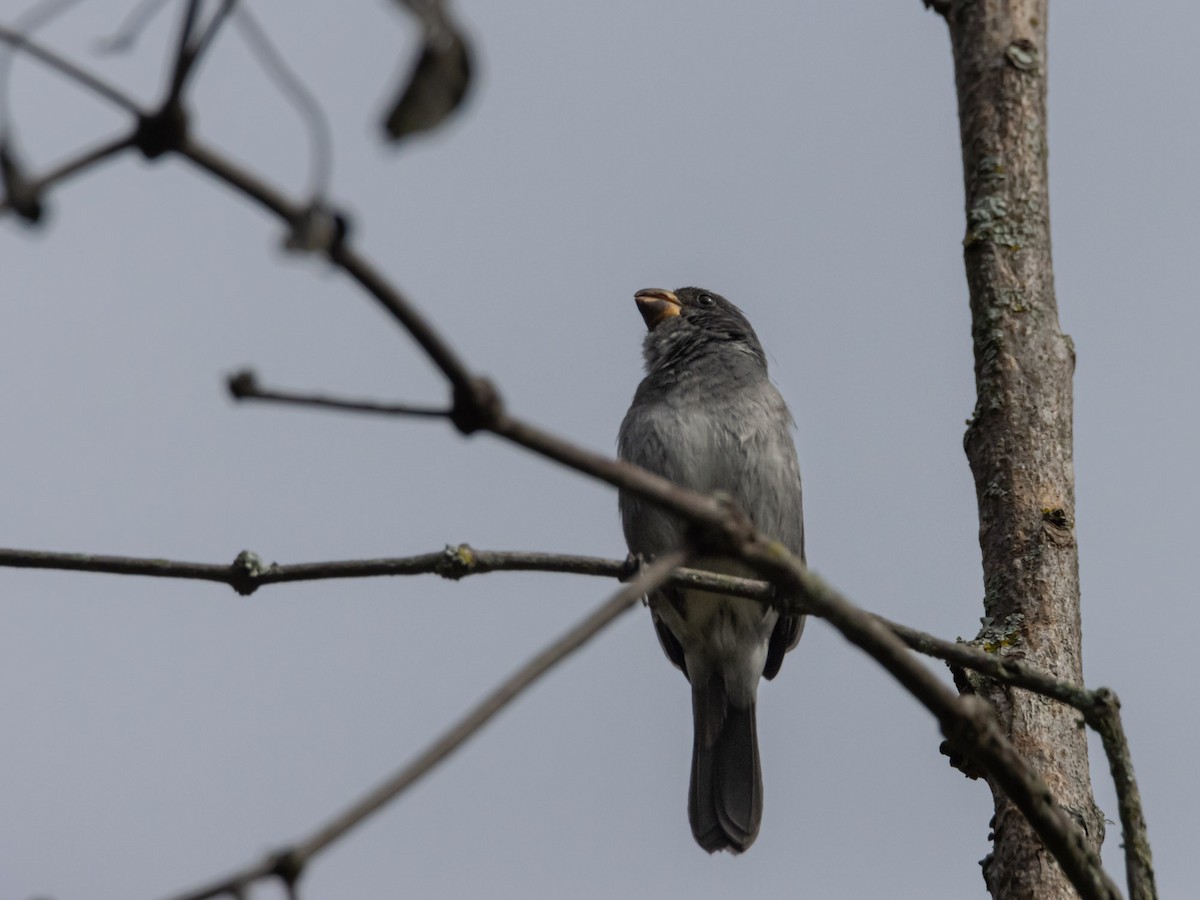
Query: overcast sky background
x=801, y=159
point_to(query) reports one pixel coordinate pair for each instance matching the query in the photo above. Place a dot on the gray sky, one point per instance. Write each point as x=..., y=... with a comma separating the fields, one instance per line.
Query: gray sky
x=801, y=159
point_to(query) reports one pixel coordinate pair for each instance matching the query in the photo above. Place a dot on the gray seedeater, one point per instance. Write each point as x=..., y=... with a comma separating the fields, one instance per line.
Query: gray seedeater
x=707, y=417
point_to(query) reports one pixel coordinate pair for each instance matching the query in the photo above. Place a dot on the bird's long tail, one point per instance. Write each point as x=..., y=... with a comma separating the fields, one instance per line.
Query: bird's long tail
x=726, y=795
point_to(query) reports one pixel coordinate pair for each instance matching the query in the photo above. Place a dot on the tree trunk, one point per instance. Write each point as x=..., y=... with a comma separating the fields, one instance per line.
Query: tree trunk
x=1019, y=437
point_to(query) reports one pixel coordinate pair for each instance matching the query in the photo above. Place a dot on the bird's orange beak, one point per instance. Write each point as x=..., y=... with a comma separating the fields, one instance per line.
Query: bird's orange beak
x=657, y=305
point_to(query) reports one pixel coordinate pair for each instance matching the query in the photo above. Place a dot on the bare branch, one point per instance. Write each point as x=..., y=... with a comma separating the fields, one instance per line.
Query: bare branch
x=202, y=43
x=248, y=572
x=288, y=864
x=995, y=665
x=27, y=23
x=266, y=195
x=241, y=180
x=244, y=386
x=179, y=74
x=69, y=69
x=131, y=27
x=191, y=49
x=75, y=165
x=320, y=133
x=1104, y=716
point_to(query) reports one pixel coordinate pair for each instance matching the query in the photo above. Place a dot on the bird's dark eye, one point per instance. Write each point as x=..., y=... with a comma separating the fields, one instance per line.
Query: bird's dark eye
x=705, y=300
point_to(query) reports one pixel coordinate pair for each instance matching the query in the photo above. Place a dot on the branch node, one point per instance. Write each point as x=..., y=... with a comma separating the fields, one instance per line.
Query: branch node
x=317, y=229
x=287, y=865
x=634, y=563
x=1104, y=705
x=162, y=131
x=20, y=193
x=456, y=562
x=247, y=568
x=966, y=732
x=477, y=406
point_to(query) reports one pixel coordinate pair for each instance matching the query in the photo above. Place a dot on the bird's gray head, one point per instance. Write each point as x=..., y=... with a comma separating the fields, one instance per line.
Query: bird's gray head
x=690, y=324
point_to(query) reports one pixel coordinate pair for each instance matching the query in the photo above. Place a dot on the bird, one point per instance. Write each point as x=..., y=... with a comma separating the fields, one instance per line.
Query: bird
x=707, y=416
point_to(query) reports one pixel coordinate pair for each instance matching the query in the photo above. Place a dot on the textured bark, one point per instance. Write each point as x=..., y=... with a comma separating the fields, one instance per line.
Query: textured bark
x=1019, y=437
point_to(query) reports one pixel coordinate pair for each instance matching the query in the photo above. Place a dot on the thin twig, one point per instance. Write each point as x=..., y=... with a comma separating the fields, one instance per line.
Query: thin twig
x=320, y=133
x=266, y=195
x=244, y=386
x=201, y=44
x=289, y=863
x=1104, y=716
x=168, y=125
x=131, y=27
x=27, y=23
x=242, y=180
x=75, y=165
x=1011, y=671
x=406, y=314
x=70, y=70
x=248, y=573
x=183, y=48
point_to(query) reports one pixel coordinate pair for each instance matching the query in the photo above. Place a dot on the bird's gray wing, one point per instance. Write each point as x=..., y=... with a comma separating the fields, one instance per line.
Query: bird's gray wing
x=777, y=497
x=650, y=530
x=785, y=636
x=651, y=437
x=666, y=637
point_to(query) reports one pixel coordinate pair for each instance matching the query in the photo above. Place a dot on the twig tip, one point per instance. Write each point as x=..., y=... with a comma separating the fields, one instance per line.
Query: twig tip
x=243, y=384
